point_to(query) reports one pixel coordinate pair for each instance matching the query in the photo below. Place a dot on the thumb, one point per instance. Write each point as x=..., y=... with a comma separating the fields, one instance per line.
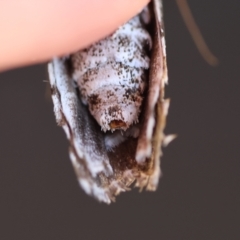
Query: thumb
x=34, y=31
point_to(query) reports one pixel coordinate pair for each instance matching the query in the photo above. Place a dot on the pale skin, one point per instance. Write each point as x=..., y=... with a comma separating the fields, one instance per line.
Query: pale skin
x=34, y=31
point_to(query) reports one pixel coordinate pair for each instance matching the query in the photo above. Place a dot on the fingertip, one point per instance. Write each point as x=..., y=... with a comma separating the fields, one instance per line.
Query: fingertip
x=39, y=30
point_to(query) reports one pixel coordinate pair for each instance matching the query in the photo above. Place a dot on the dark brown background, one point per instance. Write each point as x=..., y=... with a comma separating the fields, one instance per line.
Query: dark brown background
x=199, y=194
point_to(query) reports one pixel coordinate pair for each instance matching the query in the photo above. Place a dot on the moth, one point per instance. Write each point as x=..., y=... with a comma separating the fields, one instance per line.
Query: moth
x=109, y=99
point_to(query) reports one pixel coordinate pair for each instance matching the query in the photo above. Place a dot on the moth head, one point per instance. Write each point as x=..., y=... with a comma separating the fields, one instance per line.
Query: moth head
x=115, y=108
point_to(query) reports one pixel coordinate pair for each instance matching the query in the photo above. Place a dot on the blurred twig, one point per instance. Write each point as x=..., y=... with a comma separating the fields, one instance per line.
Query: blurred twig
x=195, y=33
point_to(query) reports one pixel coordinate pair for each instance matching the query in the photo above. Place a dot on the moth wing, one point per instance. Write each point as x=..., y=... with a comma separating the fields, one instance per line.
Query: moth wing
x=86, y=153
x=92, y=162
x=156, y=108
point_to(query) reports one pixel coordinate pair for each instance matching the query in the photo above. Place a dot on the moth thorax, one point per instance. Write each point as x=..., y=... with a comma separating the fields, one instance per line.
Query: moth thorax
x=111, y=75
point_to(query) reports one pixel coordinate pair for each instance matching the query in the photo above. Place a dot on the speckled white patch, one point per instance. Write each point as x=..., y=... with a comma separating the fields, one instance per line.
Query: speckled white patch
x=112, y=74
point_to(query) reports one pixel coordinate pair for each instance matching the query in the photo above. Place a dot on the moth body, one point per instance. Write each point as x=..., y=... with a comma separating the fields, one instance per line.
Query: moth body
x=113, y=81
